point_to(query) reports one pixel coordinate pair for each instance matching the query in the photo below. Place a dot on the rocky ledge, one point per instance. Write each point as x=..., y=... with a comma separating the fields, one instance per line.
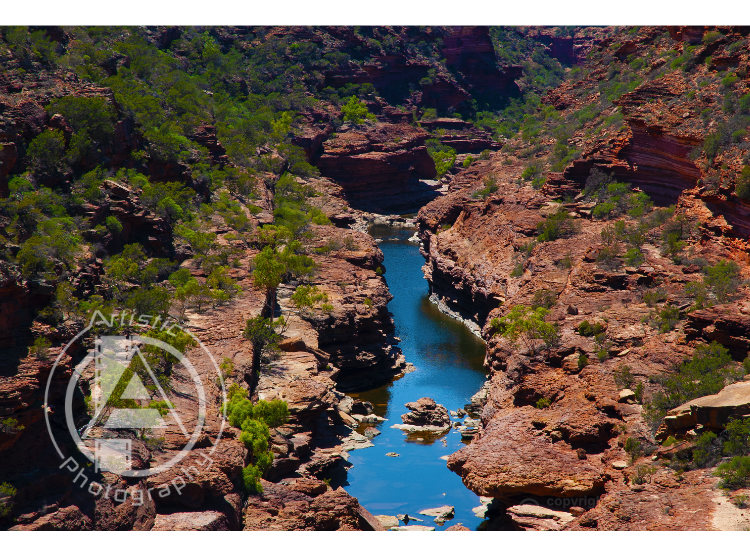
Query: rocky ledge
x=554, y=421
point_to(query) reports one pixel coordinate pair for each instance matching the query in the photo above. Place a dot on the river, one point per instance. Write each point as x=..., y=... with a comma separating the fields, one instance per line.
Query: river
x=447, y=359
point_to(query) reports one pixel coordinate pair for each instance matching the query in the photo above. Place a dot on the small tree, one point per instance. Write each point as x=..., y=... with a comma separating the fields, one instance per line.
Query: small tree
x=355, y=111
x=306, y=297
x=46, y=154
x=263, y=335
x=267, y=275
x=528, y=324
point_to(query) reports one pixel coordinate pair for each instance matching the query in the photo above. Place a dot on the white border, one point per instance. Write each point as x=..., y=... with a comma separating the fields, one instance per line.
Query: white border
x=472, y=12
x=382, y=12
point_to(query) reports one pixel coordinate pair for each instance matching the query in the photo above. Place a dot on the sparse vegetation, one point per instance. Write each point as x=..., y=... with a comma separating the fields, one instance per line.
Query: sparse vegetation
x=719, y=285
x=306, y=297
x=735, y=473
x=255, y=421
x=555, y=226
x=528, y=324
x=705, y=373
x=588, y=329
x=489, y=187
x=7, y=493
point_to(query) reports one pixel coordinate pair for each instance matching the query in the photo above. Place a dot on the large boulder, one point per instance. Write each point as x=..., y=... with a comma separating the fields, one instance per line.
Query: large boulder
x=711, y=411
x=425, y=415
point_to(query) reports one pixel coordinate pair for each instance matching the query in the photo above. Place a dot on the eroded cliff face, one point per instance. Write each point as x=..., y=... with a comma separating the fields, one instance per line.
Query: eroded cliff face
x=571, y=449
x=673, y=109
x=554, y=420
x=380, y=165
x=316, y=351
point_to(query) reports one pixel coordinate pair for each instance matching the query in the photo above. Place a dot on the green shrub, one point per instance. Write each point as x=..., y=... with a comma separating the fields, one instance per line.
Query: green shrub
x=666, y=318
x=642, y=474
x=251, y=476
x=634, y=257
x=531, y=172
x=735, y=473
x=113, y=225
x=54, y=241
x=30, y=46
x=40, y=347
x=46, y=154
x=148, y=300
x=723, y=279
x=162, y=406
x=633, y=448
x=705, y=449
x=7, y=493
x=295, y=263
x=587, y=329
x=517, y=271
x=306, y=297
x=92, y=121
x=711, y=36
x=583, y=361
x=543, y=403
x=528, y=324
x=555, y=226
x=705, y=373
x=10, y=425
x=737, y=437
x=443, y=156
x=624, y=377
x=355, y=111
x=604, y=210
x=615, y=198
x=719, y=285
x=220, y=285
x=544, y=298
x=673, y=235
x=565, y=262
x=490, y=186
x=654, y=296
x=255, y=421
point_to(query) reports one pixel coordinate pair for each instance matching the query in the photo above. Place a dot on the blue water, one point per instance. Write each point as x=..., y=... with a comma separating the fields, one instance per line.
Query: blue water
x=448, y=360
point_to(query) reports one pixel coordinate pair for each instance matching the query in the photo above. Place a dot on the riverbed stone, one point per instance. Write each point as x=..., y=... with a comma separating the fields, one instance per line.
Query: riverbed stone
x=388, y=521
x=440, y=514
x=425, y=412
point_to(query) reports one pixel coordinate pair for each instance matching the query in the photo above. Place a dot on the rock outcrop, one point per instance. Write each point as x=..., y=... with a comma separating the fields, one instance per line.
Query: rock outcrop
x=712, y=412
x=379, y=165
x=556, y=417
x=425, y=415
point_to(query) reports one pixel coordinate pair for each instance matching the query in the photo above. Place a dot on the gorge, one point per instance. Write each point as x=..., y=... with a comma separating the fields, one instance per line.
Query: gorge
x=535, y=237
